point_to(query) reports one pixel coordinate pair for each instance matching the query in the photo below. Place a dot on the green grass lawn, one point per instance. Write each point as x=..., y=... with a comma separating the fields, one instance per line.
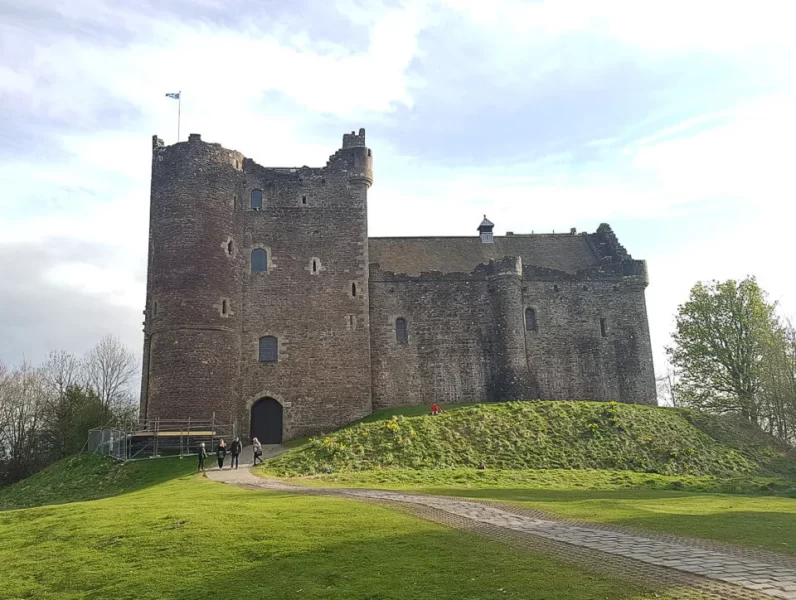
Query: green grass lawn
x=87, y=477
x=645, y=501
x=193, y=538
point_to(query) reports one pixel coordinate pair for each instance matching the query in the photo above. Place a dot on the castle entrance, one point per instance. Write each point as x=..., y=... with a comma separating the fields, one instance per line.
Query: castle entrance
x=266, y=421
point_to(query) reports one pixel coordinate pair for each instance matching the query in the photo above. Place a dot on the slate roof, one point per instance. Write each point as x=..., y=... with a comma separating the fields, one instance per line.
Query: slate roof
x=414, y=255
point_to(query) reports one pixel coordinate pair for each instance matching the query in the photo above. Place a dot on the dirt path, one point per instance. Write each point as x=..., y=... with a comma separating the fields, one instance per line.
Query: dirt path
x=695, y=568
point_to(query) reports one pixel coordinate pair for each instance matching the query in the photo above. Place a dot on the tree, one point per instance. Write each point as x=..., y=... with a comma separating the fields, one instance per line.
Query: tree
x=111, y=371
x=22, y=399
x=721, y=338
x=68, y=420
x=778, y=390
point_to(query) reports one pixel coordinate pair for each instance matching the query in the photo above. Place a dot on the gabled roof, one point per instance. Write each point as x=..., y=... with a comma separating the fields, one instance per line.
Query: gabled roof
x=485, y=223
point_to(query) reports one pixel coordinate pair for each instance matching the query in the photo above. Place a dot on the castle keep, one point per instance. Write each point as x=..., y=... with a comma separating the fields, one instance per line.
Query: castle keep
x=267, y=302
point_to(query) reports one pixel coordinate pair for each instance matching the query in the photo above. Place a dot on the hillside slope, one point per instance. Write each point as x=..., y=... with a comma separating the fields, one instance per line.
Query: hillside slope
x=546, y=435
x=90, y=477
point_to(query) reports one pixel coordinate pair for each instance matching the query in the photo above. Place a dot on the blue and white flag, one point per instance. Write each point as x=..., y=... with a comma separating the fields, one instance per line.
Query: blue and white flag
x=175, y=96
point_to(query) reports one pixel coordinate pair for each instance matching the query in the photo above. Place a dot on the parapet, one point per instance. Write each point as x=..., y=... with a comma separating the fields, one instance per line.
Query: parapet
x=608, y=245
x=354, y=140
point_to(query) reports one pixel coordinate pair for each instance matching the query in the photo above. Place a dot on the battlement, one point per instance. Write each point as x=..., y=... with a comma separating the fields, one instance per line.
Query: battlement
x=354, y=140
x=354, y=159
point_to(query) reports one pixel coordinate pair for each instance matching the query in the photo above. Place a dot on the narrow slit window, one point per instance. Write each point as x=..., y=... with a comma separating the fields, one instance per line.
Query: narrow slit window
x=353, y=290
x=401, y=333
x=314, y=266
x=257, y=199
x=230, y=247
x=224, y=307
x=303, y=199
x=155, y=308
x=269, y=349
x=530, y=320
x=259, y=261
x=603, y=328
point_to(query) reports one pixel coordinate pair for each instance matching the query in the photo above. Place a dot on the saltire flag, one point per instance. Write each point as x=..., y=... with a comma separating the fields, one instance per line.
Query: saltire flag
x=175, y=96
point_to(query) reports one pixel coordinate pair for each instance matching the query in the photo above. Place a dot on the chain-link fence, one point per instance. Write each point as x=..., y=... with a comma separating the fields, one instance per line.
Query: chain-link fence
x=108, y=442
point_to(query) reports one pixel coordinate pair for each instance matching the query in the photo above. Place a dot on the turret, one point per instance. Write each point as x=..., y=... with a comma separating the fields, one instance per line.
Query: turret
x=485, y=230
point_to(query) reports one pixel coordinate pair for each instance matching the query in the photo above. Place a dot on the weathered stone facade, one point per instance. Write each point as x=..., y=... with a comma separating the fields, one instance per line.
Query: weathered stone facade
x=331, y=297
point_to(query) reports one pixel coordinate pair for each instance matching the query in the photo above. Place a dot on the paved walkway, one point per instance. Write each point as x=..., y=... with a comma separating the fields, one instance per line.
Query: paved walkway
x=773, y=578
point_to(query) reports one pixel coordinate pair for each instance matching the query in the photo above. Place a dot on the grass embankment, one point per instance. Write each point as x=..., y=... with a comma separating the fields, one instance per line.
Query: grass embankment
x=88, y=477
x=545, y=435
x=193, y=538
x=662, y=470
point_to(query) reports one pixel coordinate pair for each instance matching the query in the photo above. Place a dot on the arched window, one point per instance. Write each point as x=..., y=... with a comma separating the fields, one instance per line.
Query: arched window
x=530, y=319
x=401, y=333
x=257, y=199
x=269, y=349
x=259, y=260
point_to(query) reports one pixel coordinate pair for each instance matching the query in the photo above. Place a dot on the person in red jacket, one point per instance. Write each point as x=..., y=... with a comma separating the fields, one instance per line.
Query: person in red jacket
x=435, y=409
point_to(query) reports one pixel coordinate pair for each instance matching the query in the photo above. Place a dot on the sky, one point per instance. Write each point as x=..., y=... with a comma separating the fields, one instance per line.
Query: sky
x=672, y=121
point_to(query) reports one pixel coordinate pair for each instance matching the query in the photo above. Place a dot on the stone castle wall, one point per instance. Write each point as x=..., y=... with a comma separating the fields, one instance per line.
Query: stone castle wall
x=468, y=339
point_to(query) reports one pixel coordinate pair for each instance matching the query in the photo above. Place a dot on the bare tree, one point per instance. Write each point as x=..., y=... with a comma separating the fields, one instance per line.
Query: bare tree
x=111, y=370
x=60, y=371
x=22, y=399
x=666, y=386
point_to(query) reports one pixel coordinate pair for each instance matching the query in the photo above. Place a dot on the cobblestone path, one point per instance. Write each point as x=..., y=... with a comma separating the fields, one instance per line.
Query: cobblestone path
x=749, y=574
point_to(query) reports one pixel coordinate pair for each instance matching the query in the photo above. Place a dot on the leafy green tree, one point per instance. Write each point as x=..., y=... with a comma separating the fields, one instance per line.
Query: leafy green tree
x=70, y=416
x=722, y=336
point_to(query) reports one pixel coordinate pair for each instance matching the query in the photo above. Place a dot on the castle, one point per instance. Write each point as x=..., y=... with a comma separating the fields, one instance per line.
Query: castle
x=267, y=302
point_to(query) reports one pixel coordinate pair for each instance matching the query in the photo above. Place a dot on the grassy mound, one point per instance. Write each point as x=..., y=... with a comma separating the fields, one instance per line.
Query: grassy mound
x=545, y=435
x=89, y=477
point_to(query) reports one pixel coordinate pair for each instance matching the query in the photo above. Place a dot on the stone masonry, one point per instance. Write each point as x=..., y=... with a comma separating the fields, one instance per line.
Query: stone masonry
x=484, y=318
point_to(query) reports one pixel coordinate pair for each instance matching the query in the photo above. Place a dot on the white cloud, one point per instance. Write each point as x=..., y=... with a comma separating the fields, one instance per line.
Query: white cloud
x=273, y=92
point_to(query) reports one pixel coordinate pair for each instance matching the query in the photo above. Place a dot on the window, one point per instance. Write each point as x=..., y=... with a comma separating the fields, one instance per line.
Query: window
x=224, y=307
x=230, y=247
x=314, y=266
x=530, y=319
x=401, y=334
x=257, y=199
x=303, y=199
x=259, y=261
x=155, y=308
x=354, y=290
x=269, y=349
x=603, y=328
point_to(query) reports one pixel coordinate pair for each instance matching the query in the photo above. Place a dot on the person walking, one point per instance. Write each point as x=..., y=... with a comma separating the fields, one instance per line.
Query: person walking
x=235, y=449
x=221, y=453
x=257, y=447
x=202, y=456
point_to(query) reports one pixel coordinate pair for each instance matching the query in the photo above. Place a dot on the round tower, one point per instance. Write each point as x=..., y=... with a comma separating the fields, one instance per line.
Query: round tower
x=192, y=332
x=511, y=378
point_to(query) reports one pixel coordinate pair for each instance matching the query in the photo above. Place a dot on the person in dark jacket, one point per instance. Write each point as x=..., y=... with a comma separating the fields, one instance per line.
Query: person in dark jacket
x=235, y=449
x=221, y=453
x=202, y=457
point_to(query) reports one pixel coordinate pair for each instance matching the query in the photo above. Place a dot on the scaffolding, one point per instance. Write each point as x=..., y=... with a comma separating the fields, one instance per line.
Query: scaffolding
x=154, y=438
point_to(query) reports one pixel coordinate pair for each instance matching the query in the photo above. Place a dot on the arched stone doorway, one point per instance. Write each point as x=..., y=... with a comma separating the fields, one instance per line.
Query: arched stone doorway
x=266, y=421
